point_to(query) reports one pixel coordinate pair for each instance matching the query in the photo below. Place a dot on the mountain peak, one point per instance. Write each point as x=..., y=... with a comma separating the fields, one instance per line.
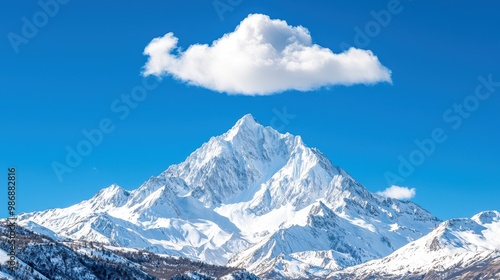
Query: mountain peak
x=247, y=119
x=111, y=190
x=247, y=192
x=113, y=195
x=247, y=123
x=487, y=217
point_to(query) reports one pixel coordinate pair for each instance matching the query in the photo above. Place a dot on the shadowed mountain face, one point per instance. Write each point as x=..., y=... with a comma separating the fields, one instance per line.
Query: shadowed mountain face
x=251, y=197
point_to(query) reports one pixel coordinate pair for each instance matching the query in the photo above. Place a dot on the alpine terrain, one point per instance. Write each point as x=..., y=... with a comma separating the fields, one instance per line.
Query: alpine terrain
x=40, y=257
x=263, y=201
x=456, y=249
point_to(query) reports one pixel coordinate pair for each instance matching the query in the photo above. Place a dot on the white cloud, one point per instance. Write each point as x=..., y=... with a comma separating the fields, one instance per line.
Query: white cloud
x=399, y=192
x=262, y=56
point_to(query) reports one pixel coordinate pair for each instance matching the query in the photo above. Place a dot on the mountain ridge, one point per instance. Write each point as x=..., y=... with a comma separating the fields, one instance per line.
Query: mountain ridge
x=246, y=191
x=458, y=248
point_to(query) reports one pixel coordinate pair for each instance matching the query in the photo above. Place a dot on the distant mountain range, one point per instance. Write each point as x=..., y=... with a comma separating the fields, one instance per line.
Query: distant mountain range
x=456, y=249
x=263, y=201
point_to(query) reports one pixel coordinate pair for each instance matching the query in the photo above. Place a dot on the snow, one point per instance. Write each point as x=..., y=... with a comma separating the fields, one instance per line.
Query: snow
x=252, y=197
x=5, y=257
x=457, y=242
x=394, y=227
x=5, y=275
x=361, y=223
x=99, y=254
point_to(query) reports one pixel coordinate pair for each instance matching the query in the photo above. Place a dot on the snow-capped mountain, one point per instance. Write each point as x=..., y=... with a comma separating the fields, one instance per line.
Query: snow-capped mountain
x=39, y=257
x=251, y=197
x=456, y=249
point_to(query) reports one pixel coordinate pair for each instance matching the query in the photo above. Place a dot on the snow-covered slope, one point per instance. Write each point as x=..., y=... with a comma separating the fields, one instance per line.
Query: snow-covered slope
x=456, y=249
x=252, y=197
x=40, y=257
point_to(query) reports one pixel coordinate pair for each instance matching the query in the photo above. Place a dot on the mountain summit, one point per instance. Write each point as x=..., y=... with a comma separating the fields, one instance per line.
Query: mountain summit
x=251, y=197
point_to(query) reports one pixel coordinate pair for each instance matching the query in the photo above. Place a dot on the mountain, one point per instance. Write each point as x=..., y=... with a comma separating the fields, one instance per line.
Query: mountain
x=456, y=249
x=41, y=257
x=253, y=198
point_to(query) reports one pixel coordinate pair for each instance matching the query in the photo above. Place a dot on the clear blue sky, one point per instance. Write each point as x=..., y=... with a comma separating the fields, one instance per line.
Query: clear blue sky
x=86, y=54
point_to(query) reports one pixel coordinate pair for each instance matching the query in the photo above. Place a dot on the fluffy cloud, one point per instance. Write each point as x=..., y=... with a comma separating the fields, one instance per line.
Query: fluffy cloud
x=399, y=192
x=262, y=56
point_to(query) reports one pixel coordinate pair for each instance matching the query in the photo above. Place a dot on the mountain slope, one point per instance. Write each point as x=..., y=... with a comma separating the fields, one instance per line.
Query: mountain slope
x=456, y=249
x=249, y=197
x=41, y=257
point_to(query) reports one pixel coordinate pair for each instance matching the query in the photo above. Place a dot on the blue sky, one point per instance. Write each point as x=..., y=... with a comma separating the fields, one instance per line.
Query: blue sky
x=63, y=76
